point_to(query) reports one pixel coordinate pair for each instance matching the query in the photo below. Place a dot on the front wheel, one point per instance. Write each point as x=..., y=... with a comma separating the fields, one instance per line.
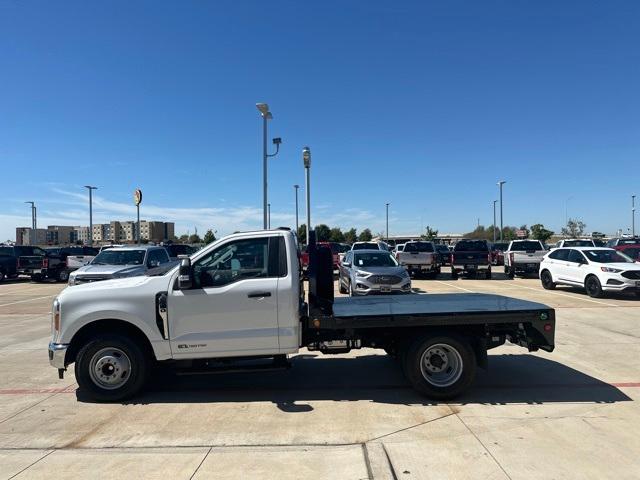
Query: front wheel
x=62, y=276
x=593, y=287
x=341, y=287
x=511, y=272
x=547, y=280
x=454, y=274
x=110, y=368
x=440, y=367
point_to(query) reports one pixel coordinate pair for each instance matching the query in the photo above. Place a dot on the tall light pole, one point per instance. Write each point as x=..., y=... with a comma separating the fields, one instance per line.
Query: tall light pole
x=306, y=160
x=296, y=187
x=269, y=216
x=91, y=189
x=500, y=184
x=494, y=220
x=387, y=205
x=263, y=108
x=34, y=225
x=633, y=216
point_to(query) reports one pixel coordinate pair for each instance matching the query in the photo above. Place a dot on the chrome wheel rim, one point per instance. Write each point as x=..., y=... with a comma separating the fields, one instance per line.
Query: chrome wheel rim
x=441, y=365
x=110, y=368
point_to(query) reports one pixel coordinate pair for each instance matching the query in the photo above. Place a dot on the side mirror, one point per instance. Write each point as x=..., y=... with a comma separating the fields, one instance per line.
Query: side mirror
x=154, y=263
x=185, y=275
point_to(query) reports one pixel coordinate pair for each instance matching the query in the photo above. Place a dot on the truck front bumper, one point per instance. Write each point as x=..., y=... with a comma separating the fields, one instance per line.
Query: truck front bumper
x=57, y=354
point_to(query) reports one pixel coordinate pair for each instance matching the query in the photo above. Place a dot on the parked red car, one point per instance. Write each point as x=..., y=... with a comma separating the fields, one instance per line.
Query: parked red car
x=497, y=253
x=632, y=251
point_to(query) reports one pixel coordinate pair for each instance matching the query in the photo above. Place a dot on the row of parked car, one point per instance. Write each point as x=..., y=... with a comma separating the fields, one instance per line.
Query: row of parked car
x=81, y=264
x=374, y=267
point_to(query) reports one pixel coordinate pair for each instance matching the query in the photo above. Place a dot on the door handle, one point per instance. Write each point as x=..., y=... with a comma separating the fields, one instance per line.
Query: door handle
x=259, y=294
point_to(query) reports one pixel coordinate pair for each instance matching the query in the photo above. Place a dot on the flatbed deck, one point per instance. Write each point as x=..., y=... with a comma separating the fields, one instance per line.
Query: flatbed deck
x=491, y=313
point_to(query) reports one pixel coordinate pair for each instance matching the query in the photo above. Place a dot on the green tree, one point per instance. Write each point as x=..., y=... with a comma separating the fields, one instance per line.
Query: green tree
x=336, y=235
x=365, y=235
x=183, y=238
x=538, y=232
x=575, y=228
x=429, y=233
x=209, y=237
x=509, y=233
x=323, y=233
x=195, y=238
x=480, y=233
x=302, y=234
x=351, y=236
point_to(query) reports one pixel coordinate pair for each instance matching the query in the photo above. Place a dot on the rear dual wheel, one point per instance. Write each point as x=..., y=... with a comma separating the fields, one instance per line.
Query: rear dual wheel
x=440, y=367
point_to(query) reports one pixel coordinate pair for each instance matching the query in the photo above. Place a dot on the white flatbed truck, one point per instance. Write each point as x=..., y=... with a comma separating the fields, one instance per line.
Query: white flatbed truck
x=242, y=299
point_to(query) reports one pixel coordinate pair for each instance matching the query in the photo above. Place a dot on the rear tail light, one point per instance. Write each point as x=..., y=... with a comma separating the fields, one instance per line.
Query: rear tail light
x=511, y=255
x=45, y=263
x=489, y=257
x=451, y=258
x=18, y=262
x=547, y=327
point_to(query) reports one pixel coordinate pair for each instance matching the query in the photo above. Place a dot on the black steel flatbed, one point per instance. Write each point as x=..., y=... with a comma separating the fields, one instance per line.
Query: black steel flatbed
x=440, y=310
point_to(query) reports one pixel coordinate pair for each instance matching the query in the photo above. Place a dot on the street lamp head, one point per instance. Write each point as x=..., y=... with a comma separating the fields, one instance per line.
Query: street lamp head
x=306, y=157
x=90, y=187
x=501, y=182
x=296, y=186
x=263, y=108
x=277, y=141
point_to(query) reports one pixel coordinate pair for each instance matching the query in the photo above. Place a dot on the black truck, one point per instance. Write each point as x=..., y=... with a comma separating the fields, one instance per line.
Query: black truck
x=471, y=257
x=59, y=262
x=19, y=260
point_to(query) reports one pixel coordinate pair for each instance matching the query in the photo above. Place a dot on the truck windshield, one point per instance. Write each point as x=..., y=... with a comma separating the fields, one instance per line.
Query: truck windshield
x=471, y=246
x=578, y=243
x=527, y=246
x=365, y=246
x=119, y=257
x=382, y=259
x=418, y=247
x=442, y=248
x=607, y=256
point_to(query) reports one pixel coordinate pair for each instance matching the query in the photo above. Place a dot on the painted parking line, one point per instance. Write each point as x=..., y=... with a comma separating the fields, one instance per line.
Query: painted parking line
x=24, y=291
x=26, y=301
x=575, y=297
x=455, y=286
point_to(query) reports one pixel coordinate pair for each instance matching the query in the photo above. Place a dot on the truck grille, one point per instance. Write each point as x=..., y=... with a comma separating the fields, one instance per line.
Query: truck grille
x=634, y=274
x=385, y=279
x=89, y=279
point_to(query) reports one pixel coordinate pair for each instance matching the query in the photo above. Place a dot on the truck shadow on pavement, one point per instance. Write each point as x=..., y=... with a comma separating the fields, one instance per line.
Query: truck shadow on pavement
x=511, y=379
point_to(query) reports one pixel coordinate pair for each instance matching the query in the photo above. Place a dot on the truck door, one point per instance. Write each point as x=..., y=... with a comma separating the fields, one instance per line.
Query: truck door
x=232, y=308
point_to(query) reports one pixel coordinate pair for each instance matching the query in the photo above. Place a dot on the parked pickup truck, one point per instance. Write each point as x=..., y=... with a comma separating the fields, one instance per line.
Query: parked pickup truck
x=523, y=257
x=419, y=257
x=59, y=262
x=19, y=260
x=471, y=257
x=240, y=300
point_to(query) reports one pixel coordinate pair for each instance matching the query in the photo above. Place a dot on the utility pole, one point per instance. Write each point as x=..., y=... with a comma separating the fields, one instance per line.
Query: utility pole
x=633, y=216
x=494, y=220
x=90, y=188
x=306, y=160
x=269, y=216
x=387, y=223
x=296, y=187
x=34, y=225
x=500, y=184
x=263, y=108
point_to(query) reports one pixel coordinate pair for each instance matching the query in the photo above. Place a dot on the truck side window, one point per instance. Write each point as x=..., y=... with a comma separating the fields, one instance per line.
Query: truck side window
x=232, y=262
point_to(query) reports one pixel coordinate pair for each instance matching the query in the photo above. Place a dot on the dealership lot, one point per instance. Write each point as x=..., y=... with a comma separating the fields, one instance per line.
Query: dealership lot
x=568, y=414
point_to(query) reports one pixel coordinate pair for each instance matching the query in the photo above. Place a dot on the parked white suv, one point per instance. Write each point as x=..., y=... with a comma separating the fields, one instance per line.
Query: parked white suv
x=596, y=269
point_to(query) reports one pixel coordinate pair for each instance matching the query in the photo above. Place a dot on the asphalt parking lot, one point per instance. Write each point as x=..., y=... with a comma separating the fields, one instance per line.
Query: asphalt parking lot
x=567, y=414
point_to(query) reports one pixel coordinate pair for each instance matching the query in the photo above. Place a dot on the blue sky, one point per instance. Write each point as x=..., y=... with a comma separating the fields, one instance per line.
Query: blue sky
x=422, y=104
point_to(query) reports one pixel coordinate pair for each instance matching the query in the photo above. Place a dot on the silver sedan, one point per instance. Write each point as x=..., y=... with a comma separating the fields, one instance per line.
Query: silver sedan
x=363, y=272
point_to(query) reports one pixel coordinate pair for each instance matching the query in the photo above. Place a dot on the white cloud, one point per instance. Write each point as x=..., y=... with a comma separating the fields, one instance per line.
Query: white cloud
x=227, y=219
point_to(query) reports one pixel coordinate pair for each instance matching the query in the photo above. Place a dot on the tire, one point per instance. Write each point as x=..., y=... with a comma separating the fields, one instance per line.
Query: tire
x=2, y=276
x=454, y=274
x=439, y=270
x=593, y=287
x=547, y=280
x=487, y=274
x=112, y=352
x=37, y=278
x=62, y=276
x=511, y=273
x=341, y=288
x=445, y=380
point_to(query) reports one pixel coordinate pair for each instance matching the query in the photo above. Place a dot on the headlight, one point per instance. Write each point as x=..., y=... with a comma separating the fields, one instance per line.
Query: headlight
x=404, y=273
x=610, y=270
x=72, y=279
x=55, y=316
x=362, y=274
